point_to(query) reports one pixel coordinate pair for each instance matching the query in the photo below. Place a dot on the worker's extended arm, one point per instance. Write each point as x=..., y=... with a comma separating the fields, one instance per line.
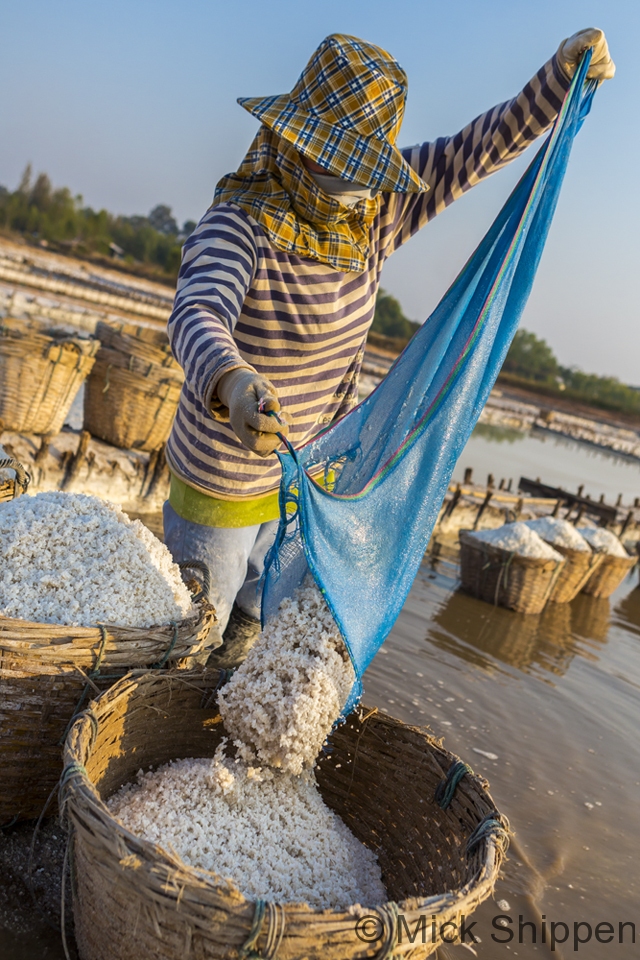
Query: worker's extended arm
x=453, y=165
x=219, y=261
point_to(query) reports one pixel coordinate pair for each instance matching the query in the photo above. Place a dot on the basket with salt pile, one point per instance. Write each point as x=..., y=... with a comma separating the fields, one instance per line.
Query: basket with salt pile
x=505, y=577
x=616, y=562
x=41, y=371
x=440, y=858
x=581, y=561
x=47, y=674
x=86, y=595
x=132, y=394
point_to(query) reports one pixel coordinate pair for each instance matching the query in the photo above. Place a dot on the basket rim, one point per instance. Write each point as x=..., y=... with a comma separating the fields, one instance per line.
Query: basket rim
x=113, y=630
x=74, y=777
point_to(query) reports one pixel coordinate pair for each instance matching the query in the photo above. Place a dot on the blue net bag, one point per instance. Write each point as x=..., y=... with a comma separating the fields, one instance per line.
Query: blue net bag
x=388, y=463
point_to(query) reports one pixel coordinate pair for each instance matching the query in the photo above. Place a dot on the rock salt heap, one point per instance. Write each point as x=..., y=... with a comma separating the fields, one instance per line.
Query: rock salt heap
x=521, y=539
x=266, y=828
x=603, y=541
x=282, y=702
x=269, y=833
x=560, y=533
x=78, y=560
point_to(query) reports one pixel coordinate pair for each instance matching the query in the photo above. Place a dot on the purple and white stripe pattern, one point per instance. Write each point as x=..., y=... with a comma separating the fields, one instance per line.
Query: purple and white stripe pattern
x=301, y=323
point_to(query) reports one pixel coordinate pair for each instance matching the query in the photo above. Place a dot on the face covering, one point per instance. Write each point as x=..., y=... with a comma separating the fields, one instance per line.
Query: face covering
x=344, y=191
x=274, y=187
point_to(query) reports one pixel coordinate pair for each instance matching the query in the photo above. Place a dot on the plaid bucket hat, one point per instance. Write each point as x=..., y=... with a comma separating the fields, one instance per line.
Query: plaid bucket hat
x=345, y=113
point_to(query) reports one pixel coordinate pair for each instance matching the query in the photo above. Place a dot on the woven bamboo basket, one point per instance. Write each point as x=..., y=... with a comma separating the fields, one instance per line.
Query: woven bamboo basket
x=608, y=576
x=134, y=899
x=579, y=567
x=145, y=343
x=132, y=394
x=506, y=579
x=49, y=672
x=41, y=371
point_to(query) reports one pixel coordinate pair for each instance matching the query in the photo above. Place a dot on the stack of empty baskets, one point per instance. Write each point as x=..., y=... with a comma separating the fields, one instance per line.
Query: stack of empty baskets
x=41, y=371
x=132, y=394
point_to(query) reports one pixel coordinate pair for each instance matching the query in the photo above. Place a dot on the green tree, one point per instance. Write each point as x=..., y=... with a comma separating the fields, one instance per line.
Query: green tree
x=531, y=358
x=389, y=320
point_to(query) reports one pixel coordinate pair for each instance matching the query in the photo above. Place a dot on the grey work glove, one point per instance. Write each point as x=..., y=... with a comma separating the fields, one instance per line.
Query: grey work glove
x=241, y=391
x=601, y=67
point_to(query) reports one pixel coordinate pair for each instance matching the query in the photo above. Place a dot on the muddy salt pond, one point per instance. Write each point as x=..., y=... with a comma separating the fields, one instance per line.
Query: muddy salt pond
x=545, y=707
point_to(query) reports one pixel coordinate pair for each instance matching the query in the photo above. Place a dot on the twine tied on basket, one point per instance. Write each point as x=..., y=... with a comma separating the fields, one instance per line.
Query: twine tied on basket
x=274, y=934
x=445, y=791
x=494, y=824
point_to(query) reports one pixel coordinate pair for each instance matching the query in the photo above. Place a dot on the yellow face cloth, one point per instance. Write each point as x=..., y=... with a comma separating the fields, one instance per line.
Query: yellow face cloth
x=276, y=189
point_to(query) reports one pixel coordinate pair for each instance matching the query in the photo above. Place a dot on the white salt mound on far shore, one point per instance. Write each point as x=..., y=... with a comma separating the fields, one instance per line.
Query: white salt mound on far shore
x=268, y=832
x=78, y=560
x=281, y=703
x=559, y=532
x=603, y=541
x=519, y=538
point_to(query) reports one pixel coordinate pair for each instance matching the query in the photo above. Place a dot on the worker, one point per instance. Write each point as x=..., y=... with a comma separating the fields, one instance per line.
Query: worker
x=278, y=282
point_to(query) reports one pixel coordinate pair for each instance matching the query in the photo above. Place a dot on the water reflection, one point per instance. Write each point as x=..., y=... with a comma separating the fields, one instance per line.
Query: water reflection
x=487, y=636
x=627, y=612
x=591, y=617
x=495, y=434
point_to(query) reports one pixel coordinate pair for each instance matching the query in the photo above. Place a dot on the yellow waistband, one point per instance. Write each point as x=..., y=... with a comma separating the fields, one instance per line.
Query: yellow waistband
x=199, y=507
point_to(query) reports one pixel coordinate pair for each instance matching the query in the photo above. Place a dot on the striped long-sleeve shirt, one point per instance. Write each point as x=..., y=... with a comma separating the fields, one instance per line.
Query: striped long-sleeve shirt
x=301, y=323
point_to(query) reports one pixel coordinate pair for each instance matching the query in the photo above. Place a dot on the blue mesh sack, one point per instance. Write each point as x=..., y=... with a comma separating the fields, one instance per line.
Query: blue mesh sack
x=388, y=463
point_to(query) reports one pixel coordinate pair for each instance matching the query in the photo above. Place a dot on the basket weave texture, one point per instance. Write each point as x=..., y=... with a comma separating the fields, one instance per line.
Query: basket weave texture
x=608, y=576
x=132, y=394
x=40, y=373
x=135, y=899
x=506, y=579
x=579, y=567
x=48, y=672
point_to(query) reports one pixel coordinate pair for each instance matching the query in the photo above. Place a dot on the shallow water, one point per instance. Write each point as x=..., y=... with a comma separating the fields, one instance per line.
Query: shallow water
x=556, y=460
x=557, y=699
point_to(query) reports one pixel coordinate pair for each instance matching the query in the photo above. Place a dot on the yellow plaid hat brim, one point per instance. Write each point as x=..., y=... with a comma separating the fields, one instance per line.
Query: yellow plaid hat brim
x=367, y=161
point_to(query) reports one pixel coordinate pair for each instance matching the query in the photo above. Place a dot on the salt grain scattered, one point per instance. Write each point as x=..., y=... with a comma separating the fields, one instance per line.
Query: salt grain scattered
x=78, y=560
x=604, y=541
x=281, y=703
x=559, y=532
x=519, y=538
x=269, y=833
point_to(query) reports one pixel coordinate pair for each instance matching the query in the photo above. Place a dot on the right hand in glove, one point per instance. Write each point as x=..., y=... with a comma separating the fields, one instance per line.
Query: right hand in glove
x=241, y=391
x=601, y=67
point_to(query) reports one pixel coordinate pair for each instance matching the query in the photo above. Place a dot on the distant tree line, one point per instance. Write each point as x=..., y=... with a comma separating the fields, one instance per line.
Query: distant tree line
x=41, y=212
x=531, y=360
x=530, y=363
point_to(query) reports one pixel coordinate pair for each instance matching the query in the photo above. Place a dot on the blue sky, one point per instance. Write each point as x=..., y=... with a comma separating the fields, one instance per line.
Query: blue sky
x=133, y=103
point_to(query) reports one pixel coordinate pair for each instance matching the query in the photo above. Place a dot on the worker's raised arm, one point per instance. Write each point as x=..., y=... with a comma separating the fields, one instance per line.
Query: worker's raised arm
x=452, y=165
x=219, y=261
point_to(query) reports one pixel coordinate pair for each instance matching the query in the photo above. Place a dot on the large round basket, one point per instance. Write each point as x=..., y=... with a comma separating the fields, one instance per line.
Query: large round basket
x=504, y=578
x=41, y=371
x=132, y=899
x=580, y=565
x=48, y=673
x=609, y=575
x=132, y=394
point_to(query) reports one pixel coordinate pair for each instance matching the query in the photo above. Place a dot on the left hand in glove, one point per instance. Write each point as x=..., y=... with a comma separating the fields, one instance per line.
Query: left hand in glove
x=601, y=67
